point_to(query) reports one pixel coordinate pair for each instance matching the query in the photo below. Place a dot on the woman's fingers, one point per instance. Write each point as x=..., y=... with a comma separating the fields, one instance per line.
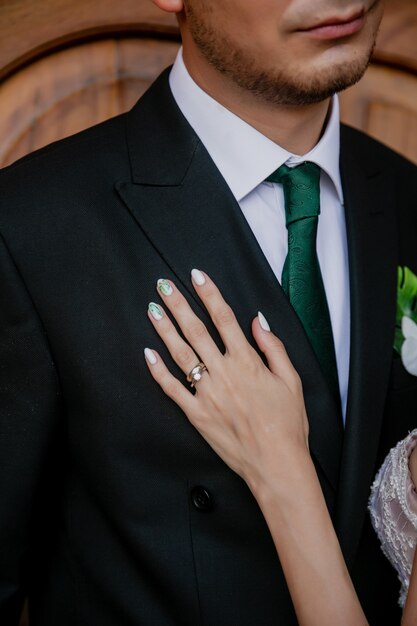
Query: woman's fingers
x=193, y=329
x=220, y=312
x=182, y=353
x=168, y=383
x=278, y=360
x=200, y=342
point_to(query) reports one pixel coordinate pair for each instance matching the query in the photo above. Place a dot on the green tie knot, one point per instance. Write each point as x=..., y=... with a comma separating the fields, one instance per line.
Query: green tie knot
x=301, y=185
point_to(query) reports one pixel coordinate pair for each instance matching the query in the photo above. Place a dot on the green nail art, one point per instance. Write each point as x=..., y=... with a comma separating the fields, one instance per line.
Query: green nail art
x=155, y=311
x=164, y=287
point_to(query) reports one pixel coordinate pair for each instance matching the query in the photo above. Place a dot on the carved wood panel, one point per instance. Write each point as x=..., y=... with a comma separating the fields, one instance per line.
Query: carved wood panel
x=384, y=104
x=74, y=88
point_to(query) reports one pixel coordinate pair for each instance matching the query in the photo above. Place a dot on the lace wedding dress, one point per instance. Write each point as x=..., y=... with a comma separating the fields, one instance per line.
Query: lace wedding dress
x=393, y=509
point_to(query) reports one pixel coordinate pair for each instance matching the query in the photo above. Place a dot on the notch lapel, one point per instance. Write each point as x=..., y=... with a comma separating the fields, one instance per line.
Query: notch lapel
x=373, y=259
x=179, y=199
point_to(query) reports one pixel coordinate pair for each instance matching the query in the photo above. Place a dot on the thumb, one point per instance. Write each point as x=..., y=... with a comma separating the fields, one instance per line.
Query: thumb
x=278, y=360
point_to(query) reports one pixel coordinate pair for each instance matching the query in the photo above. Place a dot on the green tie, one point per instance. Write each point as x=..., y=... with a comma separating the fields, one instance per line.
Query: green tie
x=301, y=275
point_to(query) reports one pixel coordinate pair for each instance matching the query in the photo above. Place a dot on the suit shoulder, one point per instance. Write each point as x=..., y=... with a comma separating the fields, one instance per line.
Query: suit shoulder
x=106, y=132
x=64, y=171
x=375, y=151
x=82, y=152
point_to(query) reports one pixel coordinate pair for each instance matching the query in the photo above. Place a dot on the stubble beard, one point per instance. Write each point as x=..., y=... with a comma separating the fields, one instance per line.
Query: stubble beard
x=275, y=85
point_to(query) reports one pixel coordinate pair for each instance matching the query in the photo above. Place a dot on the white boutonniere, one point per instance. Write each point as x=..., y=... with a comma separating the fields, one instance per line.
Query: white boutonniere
x=406, y=321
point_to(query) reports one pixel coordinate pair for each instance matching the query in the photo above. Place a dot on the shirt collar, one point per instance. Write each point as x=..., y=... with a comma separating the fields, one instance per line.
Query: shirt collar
x=244, y=156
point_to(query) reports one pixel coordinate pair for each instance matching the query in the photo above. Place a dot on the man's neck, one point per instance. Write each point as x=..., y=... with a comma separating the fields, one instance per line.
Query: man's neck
x=295, y=128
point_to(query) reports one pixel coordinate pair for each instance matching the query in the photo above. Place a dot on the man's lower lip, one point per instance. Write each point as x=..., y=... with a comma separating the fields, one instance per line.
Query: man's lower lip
x=335, y=31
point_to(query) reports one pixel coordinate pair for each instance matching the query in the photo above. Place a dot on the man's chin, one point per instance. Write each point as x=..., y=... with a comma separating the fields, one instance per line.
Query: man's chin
x=298, y=90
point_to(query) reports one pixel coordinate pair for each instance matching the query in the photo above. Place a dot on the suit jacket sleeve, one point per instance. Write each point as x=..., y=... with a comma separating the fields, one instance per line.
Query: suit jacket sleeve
x=29, y=412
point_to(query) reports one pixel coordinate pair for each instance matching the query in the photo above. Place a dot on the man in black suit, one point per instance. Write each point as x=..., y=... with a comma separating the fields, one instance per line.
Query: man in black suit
x=114, y=511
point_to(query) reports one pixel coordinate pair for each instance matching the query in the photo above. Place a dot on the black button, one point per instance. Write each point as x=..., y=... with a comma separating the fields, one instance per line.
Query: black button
x=201, y=499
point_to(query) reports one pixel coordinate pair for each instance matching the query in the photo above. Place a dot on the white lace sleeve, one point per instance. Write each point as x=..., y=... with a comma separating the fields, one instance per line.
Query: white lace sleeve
x=393, y=509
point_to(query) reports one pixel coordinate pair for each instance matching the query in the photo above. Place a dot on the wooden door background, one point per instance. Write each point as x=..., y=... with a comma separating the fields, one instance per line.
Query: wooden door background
x=68, y=64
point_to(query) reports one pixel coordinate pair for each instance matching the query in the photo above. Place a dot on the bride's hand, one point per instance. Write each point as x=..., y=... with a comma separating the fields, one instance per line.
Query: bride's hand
x=253, y=416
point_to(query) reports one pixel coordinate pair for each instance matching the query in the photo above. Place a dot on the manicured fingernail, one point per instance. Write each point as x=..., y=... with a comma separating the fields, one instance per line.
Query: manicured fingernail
x=155, y=311
x=164, y=287
x=149, y=356
x=262, y=320
x=198, y=277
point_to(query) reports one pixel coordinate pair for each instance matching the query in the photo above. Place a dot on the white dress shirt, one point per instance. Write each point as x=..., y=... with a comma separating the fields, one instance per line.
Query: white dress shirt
x=245, y=158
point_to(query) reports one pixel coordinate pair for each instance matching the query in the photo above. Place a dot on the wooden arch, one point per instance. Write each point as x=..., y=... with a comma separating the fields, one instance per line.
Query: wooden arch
x=66, y=65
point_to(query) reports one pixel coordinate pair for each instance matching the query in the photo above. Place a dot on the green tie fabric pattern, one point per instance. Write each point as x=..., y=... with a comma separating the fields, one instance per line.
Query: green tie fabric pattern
x=301, y=275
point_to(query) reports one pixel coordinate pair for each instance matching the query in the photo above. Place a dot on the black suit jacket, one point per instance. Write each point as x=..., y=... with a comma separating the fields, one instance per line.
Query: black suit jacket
x=114, y=511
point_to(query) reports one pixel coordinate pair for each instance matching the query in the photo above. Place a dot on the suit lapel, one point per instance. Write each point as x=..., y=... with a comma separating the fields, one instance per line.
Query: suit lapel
x=179, y=199
x=373, y=259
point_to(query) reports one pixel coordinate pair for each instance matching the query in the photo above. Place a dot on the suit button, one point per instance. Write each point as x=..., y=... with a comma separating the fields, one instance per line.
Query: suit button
x=201, y=499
